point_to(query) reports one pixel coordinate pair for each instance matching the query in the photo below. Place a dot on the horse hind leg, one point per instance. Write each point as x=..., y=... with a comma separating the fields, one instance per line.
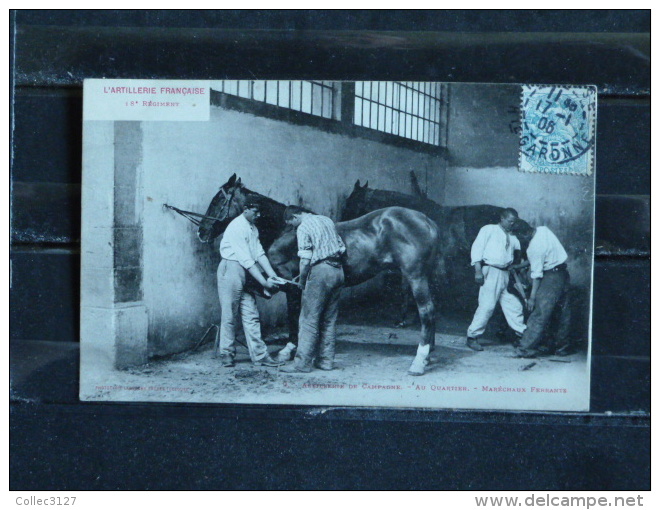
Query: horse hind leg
x=422, y=294
x=405, y=303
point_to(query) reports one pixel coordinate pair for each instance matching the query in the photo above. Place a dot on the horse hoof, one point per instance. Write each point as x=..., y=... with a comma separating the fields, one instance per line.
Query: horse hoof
x=286, y=353
x=417, y=367
x=416, y=371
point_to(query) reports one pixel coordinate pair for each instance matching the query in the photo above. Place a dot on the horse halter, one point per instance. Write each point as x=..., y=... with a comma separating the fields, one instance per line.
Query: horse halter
x=193, y=217
x=228, y=200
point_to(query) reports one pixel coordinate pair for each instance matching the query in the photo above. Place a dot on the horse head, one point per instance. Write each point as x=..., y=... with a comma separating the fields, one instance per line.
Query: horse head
x=524, y=232
x=226, y=205
x=356, y=203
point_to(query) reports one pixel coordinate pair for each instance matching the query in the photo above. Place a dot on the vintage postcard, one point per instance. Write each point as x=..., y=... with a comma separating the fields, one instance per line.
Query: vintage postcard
x=398, y=244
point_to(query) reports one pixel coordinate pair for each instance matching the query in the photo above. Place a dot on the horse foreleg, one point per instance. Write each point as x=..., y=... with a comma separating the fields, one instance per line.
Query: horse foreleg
x=422, y=294
x=293, y=303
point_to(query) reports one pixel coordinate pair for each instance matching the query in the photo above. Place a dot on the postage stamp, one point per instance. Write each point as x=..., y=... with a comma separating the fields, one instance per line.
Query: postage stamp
x=558, y=129
x=304, y=242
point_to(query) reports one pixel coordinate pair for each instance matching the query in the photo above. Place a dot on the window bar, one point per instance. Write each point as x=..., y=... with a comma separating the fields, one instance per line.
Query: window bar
x=403, y=109
x=420, y=136
x=438, y=106
x=369, y=103
x=423, y=115
x=290, y=94
x=383, y=107
x=419, y=97
x=358, y=84
x=402, y=116
x=377, y=105
x=398, y=124
x=436, y=116
x=430, y=103
x=390, y=99
x=322, y=93
x=411, y=109
x=426, y=116
x=366, y=108
x=433, y=107
x=311, y=97
x=431, y=113
x=364, y=104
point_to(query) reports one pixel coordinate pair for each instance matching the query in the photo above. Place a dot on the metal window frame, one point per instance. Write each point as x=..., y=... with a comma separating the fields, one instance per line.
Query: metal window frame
x=326, y=90
x=418, y=97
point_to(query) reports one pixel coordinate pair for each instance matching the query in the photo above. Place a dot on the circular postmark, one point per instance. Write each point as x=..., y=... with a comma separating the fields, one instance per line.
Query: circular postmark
x=557, y=134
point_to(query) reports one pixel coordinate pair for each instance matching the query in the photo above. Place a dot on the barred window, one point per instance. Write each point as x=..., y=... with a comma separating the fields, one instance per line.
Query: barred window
x=307, y=96
x=403, y=108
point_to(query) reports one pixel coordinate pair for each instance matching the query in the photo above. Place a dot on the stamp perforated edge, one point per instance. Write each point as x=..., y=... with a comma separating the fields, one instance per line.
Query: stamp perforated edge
x=591, y=167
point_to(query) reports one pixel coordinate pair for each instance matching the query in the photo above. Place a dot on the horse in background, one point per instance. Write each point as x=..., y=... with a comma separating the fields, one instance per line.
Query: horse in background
x=394, y=237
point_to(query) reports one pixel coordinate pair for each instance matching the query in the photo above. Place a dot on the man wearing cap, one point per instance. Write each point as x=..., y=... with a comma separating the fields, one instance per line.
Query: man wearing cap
x=242, y=254
x=322, y=277
x=550, y=284
x=493, y=251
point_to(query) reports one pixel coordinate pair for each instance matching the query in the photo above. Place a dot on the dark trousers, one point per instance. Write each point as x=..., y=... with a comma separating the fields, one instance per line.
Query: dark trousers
x=318, y=315
x=551, y=303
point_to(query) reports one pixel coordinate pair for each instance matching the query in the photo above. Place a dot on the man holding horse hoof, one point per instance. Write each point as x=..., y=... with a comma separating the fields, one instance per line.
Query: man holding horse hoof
x=242, y=254
x=322, y=277
x=493, y=251
x=549, y=297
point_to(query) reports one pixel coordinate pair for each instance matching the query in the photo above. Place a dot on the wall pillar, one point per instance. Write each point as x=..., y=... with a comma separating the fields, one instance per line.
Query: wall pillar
x=114, y=319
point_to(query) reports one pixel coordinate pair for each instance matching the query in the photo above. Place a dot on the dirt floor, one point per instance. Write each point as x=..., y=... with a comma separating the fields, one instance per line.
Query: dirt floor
x=371, y=362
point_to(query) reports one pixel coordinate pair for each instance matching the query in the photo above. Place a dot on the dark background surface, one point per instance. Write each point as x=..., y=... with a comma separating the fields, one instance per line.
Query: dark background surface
x=58, y=442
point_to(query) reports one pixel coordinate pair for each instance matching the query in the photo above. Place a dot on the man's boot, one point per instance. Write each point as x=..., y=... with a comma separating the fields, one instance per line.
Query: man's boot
x=474, y=344
x=227, y=360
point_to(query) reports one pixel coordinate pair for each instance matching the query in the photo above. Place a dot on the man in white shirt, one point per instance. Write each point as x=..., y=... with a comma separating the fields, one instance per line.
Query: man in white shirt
x=242, y=254
x=549, y=295
x=492, y=253
x=320, y=249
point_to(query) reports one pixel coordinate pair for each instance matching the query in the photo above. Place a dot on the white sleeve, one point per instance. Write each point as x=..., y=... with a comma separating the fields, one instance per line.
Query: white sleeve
x=535, y=257
x=479, y=245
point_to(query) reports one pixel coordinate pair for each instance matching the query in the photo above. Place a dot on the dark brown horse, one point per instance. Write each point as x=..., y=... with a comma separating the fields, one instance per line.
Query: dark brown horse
x=458, y=228
x=393, y=237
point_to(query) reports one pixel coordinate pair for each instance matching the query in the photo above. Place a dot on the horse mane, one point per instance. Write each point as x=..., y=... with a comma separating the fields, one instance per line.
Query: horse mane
x=384, y=198
x=271, y=202
x=263, y=198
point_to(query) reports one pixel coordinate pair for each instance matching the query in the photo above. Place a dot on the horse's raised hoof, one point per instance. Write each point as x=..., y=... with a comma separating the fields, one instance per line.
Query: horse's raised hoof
x=287, y=353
